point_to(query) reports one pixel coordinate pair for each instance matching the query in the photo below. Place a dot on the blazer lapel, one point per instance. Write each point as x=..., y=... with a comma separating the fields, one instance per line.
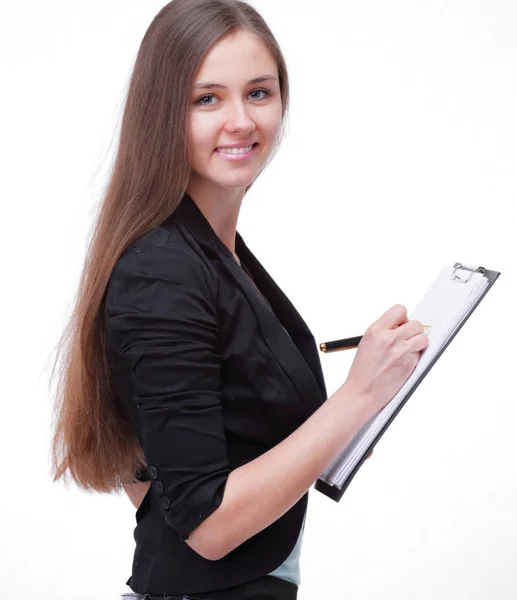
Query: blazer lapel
x=285, y=332
x=286, y=313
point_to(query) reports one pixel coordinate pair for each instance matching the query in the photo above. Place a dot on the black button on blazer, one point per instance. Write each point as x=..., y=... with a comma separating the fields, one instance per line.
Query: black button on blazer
x=213, y=373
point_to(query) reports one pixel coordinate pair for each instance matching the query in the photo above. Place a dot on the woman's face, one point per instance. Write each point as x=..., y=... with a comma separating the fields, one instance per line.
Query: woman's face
x=233, y=111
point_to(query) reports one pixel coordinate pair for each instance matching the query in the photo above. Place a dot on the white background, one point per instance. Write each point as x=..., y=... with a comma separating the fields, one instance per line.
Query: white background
x=400, y=159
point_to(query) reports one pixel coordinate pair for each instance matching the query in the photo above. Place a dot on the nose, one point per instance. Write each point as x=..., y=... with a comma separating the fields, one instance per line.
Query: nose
x=238, y=118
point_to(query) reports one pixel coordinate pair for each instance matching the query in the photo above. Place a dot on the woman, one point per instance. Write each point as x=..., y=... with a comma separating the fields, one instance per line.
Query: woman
x=186, y=365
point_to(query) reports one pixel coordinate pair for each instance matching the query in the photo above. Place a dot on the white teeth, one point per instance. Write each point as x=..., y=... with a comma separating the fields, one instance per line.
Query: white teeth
x=235, y=150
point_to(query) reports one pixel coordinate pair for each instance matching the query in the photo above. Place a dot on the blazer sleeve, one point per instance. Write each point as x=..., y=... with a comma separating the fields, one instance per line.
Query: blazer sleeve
x=163, y=322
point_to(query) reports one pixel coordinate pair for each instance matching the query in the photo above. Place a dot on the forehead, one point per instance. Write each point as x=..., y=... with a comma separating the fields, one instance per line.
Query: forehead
x=242, y=54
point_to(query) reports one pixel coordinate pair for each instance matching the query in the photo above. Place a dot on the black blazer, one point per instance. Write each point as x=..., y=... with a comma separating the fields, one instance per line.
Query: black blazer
x=212, y=376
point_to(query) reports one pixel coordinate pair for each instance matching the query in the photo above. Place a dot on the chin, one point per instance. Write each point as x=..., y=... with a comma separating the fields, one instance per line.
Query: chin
x=238, y=181
x=233, y=185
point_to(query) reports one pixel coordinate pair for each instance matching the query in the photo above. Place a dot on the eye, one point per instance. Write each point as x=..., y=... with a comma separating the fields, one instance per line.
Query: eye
x=267, y=92
x=199, y=100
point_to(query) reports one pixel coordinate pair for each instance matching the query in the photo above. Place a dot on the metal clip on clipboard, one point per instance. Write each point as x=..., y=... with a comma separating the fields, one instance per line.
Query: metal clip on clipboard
x=470, y=268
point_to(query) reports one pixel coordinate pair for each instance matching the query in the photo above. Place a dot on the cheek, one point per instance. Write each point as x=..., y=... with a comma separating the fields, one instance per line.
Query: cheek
x=202, y=133
x=271, y=120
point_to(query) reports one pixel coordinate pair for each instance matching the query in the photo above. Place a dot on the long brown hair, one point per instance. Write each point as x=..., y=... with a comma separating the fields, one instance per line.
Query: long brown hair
x=93, y=439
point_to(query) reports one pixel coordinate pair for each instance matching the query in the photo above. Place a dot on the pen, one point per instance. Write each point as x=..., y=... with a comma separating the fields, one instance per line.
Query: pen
x=346, y=344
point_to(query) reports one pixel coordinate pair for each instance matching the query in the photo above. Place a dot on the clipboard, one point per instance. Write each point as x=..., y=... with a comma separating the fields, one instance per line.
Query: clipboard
x=332, y=482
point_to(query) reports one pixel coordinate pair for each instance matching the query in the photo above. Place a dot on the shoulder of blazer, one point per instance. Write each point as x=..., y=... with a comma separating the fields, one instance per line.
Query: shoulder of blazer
x=186, y=230
x=165, y=255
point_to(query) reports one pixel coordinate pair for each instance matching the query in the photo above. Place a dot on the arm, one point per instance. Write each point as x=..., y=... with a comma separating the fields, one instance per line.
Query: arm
x=161, y=324
x=261, y=491
x=137, y=491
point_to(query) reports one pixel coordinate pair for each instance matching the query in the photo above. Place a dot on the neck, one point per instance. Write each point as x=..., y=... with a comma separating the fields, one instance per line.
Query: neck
x=221, y=209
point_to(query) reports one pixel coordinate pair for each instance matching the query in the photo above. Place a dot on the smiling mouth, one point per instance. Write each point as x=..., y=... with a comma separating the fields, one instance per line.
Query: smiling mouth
x=230, y=150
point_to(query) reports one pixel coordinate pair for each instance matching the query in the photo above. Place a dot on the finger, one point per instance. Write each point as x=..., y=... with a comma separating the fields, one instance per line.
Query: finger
x=409, y=330
x=394, y=317
x=417, y=343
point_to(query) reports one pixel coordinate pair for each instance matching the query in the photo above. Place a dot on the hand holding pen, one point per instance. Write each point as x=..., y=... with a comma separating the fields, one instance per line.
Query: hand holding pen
x=346, y=343
x=387, y=354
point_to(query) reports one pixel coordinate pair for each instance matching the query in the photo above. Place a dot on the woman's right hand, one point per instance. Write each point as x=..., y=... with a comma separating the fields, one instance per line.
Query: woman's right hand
x=386, y=356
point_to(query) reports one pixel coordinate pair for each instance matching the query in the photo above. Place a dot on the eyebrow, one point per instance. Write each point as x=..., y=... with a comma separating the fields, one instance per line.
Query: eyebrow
x=219, y=85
